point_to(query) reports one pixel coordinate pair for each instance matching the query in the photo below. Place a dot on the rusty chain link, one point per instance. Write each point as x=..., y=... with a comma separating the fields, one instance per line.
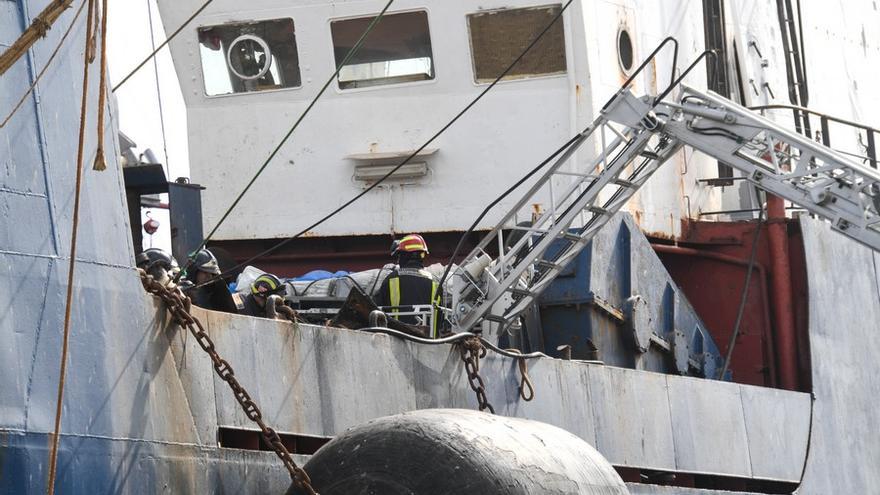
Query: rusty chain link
x=471, y=351
x=178, y=305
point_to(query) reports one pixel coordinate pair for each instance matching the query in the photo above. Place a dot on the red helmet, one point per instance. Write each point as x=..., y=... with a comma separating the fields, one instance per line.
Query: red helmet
x=413, y=243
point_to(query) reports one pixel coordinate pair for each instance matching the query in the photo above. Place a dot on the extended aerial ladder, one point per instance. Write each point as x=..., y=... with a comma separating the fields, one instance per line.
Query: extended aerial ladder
x=636, y=136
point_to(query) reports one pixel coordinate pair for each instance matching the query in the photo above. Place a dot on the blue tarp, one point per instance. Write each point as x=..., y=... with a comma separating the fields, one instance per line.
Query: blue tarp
x=318, y=275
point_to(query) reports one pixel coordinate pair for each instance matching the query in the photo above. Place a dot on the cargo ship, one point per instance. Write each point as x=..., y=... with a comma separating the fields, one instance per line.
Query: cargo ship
x=690, y=279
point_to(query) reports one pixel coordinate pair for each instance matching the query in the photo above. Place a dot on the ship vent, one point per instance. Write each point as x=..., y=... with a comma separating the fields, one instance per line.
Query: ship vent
x=239, y=438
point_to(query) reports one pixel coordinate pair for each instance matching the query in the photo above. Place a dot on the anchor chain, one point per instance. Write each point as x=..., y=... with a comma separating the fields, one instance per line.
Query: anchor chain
x=471, y=351
x=178, y=305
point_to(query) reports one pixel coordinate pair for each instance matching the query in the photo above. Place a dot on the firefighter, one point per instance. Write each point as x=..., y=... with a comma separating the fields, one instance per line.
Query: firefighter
x=205, y=285
x=158, y=263
x=409, y=284
x=254, y=303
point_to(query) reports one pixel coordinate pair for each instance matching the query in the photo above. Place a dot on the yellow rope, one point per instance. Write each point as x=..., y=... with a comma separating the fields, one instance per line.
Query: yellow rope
x=53, y=453
x=34, y=32
x=45, y=67
x=100, y=159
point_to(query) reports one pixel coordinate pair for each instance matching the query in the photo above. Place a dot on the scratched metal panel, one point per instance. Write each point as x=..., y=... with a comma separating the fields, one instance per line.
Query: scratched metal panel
x=843, y=323
x=778, y=430
x=20, y=158
x=632, y=417
x=22, y=292
x=438, y=378
x=562, y=396
x=641, y=489
x=708, y=427
x=195, y=374
x=10, y=23
x=19, y=210
x=370, y=371
x=121, y=379
x=358, y=376
x=103, y=235
x=500, y=375
x=89, y=464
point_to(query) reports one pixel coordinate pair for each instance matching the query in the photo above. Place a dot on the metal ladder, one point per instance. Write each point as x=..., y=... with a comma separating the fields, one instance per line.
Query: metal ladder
x=589, y=198
x=490, y=292
x=789, y=165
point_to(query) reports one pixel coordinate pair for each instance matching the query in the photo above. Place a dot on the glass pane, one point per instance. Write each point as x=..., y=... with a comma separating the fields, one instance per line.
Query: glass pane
x=252, y=56
x=397, y=50
x=499, y=36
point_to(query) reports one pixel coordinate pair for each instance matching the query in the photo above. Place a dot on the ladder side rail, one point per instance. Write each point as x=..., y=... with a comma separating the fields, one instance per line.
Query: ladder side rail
x=571, y=193
x=513, y=252
x=816, y=177
x=532, y=191
x=469, y=285
x=614, y=204
x=608, y=176
x=853, y=224
x=748, y=117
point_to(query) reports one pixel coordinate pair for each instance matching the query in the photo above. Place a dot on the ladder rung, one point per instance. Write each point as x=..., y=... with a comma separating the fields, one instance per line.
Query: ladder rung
x=568, y=236
x=516, y=291
x=650, y=154
x=547, y=264
x=576, y=174
x=529, y=229
x=496, y=319
x=598, y=210
x=624, y=183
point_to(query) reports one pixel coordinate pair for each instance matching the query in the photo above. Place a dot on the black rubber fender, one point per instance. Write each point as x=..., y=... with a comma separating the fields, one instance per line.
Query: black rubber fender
x=456, y=451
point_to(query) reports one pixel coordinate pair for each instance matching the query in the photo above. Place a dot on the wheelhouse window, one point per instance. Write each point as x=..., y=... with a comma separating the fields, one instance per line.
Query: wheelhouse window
x=499, y=36
x=398, y=50
x=249, y=56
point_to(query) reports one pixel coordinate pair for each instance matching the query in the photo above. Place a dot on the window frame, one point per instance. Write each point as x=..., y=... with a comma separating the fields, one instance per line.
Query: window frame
x=233, y=94
x=566, y=43
x=340, y=90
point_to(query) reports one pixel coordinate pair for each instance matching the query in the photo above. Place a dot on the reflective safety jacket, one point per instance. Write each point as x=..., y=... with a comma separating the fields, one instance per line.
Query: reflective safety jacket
x=411, y=287
x=247, y=305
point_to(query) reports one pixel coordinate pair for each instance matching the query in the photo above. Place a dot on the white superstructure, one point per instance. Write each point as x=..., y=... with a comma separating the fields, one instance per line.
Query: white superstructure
x=436, y=58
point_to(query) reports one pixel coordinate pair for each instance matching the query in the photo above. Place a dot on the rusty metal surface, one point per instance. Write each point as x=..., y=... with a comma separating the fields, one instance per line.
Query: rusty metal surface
x=178, y=306
x=634, y=418
x=643, y=489
x=471, y=352
x=95, y=464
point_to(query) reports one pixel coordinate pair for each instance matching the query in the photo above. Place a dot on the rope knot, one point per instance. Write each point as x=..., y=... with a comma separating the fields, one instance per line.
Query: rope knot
x=41, y=26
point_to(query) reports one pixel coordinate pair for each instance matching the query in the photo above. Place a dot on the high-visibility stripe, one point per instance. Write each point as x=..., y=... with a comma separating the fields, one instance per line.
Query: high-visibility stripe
x=394, y=292
x=434, y=312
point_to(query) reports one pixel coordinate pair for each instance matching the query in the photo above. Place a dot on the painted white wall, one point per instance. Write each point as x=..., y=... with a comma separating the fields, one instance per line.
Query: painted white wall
x=512, y=129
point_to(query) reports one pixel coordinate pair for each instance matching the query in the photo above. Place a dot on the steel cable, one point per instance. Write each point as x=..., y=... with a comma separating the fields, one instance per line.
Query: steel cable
x=164, y=43
x=745, y=292
x=561, y=149
x=408, y=158
x=354, y=49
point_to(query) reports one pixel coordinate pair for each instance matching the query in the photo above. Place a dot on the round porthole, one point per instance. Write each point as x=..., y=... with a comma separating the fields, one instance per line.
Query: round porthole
x=249, y=57
x=625, y=52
